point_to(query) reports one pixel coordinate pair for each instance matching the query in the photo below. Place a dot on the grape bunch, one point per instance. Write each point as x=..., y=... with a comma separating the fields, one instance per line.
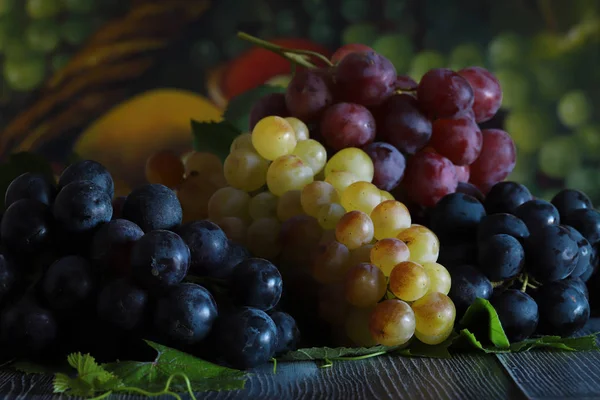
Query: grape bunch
x=531, y=258
x=423, y=138
x=81, y=271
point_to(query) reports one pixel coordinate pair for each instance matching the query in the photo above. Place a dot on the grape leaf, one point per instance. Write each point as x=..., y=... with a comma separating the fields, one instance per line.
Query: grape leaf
x=581, y=343
x=214, y=137
x=91, y=378
x=482, y=321
x=238, y=109
x=19, y=163
x=332, y=353
x=153, y=375
x=420, y=349
x=28, y=367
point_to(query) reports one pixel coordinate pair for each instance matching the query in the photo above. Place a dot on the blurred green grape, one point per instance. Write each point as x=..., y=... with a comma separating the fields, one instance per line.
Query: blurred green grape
x=59, y=60
x=17, y=49
x=43, y=35
x=517, y=88
x=355, y=10
x=360, y=33
x=552, y=80
x=6, y=6
x=314, y=6
x=587, y=180
x=424, y=61
x=75, y=31
x=322, y=15
x=322, y=33
x=525, y=168
x=81, y=6
x=397, y=48
x=466, y=55
x=40, y=9
x=588, y=138
x=394, y=10
x=11, y=30
x=286, y=23
x=559, y=156
x=234, y=46
x=5, y=92
x=529, y=128
x=545, y=46
x=24, y=74
x=507, y=49
x=204, y=53
x=574, y=109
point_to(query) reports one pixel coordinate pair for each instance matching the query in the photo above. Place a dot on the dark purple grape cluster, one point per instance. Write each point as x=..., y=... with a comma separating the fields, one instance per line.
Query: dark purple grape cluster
x=531, y=258
x=81, y=271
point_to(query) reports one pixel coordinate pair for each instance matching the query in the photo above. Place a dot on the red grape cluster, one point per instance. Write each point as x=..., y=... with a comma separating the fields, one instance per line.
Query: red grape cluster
x=423, y=138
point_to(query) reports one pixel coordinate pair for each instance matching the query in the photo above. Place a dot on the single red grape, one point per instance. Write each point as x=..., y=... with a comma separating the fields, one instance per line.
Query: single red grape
x=365, y=78
x=458, y=139
x=348, y=49
x=402, y=124
x=497, y=159
x=471, y=190
x=347, y=125
x=307, y=95
x=270, y=104
x=405, y=83
x=428, y=178
x=388, y=163
x=443, y=93
x=487, y=92
x=463, y=172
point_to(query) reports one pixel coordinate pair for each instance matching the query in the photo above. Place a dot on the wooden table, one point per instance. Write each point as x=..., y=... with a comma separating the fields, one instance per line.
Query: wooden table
x=532, y=375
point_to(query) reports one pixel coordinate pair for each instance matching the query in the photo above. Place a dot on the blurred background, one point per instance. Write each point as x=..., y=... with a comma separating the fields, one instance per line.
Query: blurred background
x=116, y=80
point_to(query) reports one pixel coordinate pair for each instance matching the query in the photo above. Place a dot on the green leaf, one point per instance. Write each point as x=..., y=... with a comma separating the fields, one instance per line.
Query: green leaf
x=582, y=343
x=332, y=353
x=91, y=378
x=482, y=320
x=466, y=340
x=419, y=349
x=152, y=376
x=19, y=163
x=238, y=109
x=214, y=137
x=28, y=367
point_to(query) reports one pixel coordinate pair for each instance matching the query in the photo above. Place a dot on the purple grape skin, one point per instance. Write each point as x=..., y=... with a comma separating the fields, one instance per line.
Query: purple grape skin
x=270, y=104
x=308, y=95
x=347, y=125
x=389, y=165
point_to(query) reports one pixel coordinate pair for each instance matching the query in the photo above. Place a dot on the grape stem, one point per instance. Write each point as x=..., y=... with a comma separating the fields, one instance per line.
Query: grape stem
x=525, y=282
x=274, y=361
x=296, y=56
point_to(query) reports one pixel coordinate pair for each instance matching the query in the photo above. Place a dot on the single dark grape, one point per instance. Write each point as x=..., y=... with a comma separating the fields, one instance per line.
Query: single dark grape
x=428, y=178
x=405, y=83
x=388, y=163
x=68, y=285
x=458, y=139
x=269, y=104
x=537, y=214
x=585, y=252
x=518, y=314
x=469, y=189
x=568, y=200
x=88, y=170
x=256, y=283
x=185, y=314
x=288, y=334
x=247, y=337
x=209, y=248
x=30, y=186
x=443, y=93
x=365, y=78
x=501, y=257
x=117, y=205
x=112, y=244
x=463, y=172
x=152, y=207
x=502, y=223
x=347, y=125
x=122, y=304
x=26, y=227
x=236, y=253
x=552, y=253
x=468, y=284
x=496, y=161
x=160, y=259
x=505, y=197
x=27, y=329
x=587, y=222
x=456, y=214
x=8, y=278
x=487, y=92
x=346, y=49
x=81, y=207
x=580, y=285
x=563, y=309
x=401, y=123
x=457, y=252
x=308, y=95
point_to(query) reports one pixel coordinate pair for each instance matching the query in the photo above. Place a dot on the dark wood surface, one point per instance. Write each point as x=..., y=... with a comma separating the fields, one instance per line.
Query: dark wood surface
x=536, y=375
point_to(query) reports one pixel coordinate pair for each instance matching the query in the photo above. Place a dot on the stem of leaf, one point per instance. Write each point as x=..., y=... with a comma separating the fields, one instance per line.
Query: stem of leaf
x=165, y=391
x=274, y=361
x=102, y=396
x=327, y=363
x=364, y=357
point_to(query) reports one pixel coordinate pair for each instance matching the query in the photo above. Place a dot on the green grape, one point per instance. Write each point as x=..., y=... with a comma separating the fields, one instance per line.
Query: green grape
x=286, y=23
x=39, y=9
x=43, y=35
x=507, y=49
x=394, y=10
x=397, y=48
x=6, y=6
x=360, y=33
x=559, y=156
x=204, y=53
x=517, y=88
x=24, y=74
x=587, y=180
x=60, y=60
x=355, y=10
x=466, y=55
x=545, y=46
x=552, y=80
x=75, y=31
x=574, y=109
x=322, y=32
x=588, y=138
x=424, y=61
x=81, y=6
x=11, y=33
x=529, y=128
